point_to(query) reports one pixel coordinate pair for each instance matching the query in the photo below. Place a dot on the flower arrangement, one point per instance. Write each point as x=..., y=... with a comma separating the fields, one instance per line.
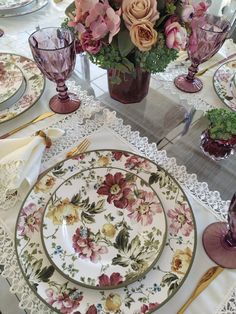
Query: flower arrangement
x=126, y=34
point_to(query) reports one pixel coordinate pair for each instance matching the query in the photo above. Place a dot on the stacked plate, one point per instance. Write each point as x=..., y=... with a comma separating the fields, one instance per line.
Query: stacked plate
x=105, y=232
x=20, y=7
x=21, y=85
x=224, y=82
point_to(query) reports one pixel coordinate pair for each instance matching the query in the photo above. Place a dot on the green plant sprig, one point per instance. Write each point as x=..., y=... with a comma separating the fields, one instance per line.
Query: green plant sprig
x=222, y=124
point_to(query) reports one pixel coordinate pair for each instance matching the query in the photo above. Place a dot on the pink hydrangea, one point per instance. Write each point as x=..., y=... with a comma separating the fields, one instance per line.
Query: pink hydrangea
x=136, y=162
x=181, y=220
x=143, y=208
x=103, y=20
x=176, y=35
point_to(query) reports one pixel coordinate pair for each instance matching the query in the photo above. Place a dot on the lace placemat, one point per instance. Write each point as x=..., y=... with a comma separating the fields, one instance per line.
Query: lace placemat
x=228, y=305
x=75, y=130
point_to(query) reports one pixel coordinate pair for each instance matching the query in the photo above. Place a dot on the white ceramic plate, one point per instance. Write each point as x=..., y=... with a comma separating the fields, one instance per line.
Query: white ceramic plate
x=223, y=81
x=35, y=83
x=103, y=219
x=13, y=4
x=145, y=295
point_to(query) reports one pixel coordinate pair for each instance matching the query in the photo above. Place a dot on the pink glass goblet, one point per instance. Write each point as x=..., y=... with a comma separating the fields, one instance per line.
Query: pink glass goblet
x=208, y=35
x=219, y=239
x=53, y=50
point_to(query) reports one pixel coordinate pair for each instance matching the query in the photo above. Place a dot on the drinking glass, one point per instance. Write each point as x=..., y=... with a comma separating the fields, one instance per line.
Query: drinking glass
x=219, y=239
x=208, y=35
x=53, y=50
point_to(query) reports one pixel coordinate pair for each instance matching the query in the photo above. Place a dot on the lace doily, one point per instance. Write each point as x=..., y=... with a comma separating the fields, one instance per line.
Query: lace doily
x=228, y=305
x=75, y=130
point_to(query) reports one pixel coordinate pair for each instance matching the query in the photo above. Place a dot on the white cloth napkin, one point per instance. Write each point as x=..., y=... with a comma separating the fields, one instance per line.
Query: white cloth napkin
x=20, y=161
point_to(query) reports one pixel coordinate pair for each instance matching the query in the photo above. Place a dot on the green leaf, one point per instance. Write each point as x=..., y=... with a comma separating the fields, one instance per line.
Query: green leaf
x=46, y=273
x=86, y=218
x=120, y=260
x=76, y=199
x=122, y=240
x=124, y=43
x=154, y=177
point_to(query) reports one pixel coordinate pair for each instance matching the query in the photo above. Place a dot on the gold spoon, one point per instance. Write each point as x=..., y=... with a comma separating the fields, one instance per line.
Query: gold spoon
x=204, y=282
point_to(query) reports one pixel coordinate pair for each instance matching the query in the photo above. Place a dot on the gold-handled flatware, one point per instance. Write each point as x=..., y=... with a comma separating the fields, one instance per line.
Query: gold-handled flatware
x=204, y=282
x=39, y=118
x=82, y=147
x=215, y=64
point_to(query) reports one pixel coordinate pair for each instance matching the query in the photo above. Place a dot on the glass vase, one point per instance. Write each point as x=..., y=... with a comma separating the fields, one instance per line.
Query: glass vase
x=217, y=149
x=128, y=88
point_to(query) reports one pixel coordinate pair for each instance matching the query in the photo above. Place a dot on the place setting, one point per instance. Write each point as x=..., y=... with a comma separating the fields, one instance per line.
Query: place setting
x=102, y=229
x=20, y=7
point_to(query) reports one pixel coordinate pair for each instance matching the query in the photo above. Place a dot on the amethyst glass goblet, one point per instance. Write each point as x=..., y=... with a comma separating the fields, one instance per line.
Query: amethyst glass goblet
x=219, y=239
x=208, y=35
x=53, y=50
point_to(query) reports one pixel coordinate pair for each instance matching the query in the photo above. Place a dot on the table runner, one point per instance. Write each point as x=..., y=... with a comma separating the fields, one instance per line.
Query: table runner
x=108, y=131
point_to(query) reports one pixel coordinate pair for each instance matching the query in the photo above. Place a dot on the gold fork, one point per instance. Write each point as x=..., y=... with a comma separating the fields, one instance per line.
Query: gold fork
x=82, y=147
x=204, y=282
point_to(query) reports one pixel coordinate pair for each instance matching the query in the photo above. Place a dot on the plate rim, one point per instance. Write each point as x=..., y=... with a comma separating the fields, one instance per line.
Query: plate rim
x=41, y=91
x=17, y=7
x=158, y=167
x=123, y=284
x=39, y=4
x=228, y=82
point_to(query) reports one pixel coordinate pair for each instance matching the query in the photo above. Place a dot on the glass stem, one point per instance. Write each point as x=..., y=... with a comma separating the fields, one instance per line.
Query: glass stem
x=230, y=237
x=62, y=91
x=192, y=70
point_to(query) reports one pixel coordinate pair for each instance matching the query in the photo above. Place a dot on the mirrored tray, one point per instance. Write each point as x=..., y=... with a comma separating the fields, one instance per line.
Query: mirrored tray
x=223, y=82
x=145, y=295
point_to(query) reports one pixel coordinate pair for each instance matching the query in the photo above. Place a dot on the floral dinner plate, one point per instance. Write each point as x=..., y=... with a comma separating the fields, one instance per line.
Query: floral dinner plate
x=35, y=82
x=13, y=4
x=99, y=223
x=143, y=296
x=223, y=81
x=11, y=80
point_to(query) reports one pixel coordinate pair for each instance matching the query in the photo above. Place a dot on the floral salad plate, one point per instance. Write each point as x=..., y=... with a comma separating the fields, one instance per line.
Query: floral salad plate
x=98, y=224
x=11, y=80
x=142, y=296
x=224, y=83
x=35, y=83
x=13, y=4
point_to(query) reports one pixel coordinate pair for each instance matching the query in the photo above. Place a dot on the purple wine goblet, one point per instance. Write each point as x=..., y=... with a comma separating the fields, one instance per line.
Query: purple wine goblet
x=208, y=35
x=219, y=239
x=53, y=50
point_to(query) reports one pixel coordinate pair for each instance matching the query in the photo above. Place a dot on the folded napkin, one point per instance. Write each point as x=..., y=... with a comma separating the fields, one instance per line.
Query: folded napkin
x=20, y=160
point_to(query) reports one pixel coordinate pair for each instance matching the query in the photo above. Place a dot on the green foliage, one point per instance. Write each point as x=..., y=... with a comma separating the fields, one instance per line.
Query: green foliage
x=222, y=123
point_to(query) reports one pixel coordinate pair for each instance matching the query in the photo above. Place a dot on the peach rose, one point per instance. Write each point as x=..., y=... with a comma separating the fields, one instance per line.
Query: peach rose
x=143, y=35
x=181, y=261
x=137, y=10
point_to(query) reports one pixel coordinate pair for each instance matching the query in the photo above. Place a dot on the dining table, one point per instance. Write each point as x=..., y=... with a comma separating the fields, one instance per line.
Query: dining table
x=165, y=127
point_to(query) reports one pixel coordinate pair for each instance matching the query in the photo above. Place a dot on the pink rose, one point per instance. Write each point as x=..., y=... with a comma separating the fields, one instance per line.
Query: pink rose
x=176, y=35
x=89, y=44
x=187, y=13
x=200, y=8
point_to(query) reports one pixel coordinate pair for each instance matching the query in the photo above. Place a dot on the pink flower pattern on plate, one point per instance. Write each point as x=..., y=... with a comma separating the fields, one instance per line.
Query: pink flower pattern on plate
x=30, y=220
x=181, y=220
x=116, y=188
x=136, y=162
x=113, y=280
x=143, y=208
x=66, y=302
x=86, y=247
